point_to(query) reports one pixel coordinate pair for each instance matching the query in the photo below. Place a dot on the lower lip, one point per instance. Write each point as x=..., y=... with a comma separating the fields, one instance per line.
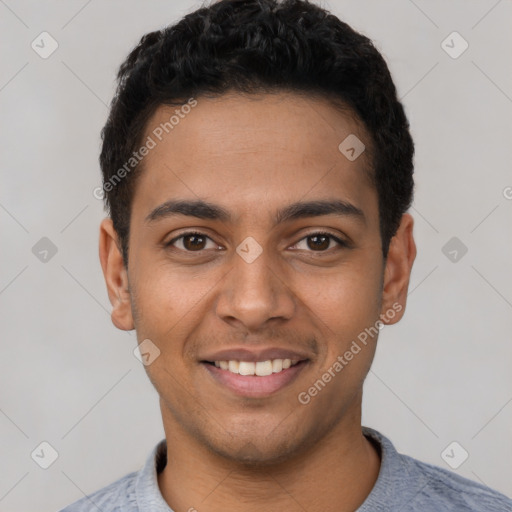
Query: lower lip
x=253, y=385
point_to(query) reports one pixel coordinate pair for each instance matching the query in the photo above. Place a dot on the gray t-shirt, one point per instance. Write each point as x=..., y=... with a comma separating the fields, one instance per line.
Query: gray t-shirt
x=404, y=484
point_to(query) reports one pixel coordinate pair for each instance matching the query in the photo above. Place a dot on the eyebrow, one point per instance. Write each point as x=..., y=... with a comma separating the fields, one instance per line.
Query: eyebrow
x=209, y=211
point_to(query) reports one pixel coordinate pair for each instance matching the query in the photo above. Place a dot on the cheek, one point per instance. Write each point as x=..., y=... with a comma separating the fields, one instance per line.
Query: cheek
x=167, y=292
x=165, y=302
x=348, y=306
x=350, y=297
x=348, y=309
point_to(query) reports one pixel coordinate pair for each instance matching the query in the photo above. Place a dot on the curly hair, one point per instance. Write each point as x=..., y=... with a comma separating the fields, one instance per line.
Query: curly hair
x=255, y=46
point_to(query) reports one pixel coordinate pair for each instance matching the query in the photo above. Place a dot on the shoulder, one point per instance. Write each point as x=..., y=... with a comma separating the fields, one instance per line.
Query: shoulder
x=134, y=491
x=453, y=492
x=409, y=485
x=119, y=496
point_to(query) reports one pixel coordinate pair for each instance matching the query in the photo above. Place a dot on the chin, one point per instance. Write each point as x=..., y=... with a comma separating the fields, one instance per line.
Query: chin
x=257, y=450
x=254, y=456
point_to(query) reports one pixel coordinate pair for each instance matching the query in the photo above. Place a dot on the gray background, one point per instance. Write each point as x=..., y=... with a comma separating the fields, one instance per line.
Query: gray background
x=70, y=378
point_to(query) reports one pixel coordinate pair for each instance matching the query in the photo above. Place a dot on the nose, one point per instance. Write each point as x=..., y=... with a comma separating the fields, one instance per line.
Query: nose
x=254, y=293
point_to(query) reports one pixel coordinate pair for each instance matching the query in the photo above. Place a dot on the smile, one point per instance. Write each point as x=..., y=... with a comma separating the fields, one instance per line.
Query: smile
x=255, y=379
x=259, y=368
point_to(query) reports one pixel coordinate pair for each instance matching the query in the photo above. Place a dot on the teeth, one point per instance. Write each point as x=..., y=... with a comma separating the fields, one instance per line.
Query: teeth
x=261, y=368
x=246, y=368
x=277, y=365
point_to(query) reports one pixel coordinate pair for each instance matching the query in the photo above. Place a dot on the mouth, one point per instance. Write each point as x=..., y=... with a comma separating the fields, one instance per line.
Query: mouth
x=259, y=368
x=255, y=378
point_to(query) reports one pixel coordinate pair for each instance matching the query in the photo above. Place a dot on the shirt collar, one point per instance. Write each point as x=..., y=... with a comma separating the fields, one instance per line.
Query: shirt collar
x=149, y=498
x=397, y=482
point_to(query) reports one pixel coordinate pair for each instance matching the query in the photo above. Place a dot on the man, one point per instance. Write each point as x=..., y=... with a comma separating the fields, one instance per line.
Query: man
x=257, y=166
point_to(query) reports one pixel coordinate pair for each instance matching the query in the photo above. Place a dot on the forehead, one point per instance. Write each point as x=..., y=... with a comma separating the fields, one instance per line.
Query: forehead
x=253, y=150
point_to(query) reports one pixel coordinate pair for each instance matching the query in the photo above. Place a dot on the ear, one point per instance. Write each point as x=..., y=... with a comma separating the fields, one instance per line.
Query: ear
x=116, y=276
x=401, y=255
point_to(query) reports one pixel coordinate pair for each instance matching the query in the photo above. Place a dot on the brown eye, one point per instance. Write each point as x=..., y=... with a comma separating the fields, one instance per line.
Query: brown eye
x=319, y=242
x=192, y=242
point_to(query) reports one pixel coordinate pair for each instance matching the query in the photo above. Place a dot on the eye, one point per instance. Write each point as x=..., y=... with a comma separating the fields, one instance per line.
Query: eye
x=319, y=242
x=192, y=241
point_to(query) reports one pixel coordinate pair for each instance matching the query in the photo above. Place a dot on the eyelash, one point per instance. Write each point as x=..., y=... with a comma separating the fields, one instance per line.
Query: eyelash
x=340, y=242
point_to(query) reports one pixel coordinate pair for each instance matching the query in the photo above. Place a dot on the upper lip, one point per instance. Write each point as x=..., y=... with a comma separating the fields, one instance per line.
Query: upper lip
x=254, y=355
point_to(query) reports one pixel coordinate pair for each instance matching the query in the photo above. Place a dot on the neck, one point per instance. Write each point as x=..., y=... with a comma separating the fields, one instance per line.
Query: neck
x=336, y=474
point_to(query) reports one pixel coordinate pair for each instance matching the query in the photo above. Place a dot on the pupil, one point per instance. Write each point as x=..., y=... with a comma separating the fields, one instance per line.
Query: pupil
x=323, y=245
x=195, y=244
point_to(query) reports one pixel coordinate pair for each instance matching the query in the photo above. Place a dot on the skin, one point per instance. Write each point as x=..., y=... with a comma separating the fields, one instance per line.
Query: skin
x=253, y=156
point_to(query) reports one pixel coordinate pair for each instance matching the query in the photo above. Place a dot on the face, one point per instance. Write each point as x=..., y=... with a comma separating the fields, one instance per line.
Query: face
x=254, y=245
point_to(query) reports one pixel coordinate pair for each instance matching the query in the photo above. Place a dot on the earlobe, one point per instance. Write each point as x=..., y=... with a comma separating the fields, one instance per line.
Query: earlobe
x=116, y=276
x=401, y=255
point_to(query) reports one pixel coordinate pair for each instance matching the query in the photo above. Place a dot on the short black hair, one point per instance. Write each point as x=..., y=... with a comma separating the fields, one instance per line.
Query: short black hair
x=258, y=46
